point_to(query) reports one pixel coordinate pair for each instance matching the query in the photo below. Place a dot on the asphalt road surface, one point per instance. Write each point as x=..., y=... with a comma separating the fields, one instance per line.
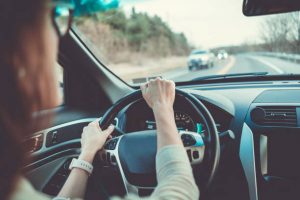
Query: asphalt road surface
x=242, y=63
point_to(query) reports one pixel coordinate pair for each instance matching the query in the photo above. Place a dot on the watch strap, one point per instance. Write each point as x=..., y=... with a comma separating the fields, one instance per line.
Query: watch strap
x=81, y=164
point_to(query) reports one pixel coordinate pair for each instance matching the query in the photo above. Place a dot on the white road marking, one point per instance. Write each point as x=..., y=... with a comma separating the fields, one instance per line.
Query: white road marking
x=274, y=67
x=228, y=66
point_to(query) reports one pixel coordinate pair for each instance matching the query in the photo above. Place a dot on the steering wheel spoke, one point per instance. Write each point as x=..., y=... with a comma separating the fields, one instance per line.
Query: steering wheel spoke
x=110, y=157
x=117, y=132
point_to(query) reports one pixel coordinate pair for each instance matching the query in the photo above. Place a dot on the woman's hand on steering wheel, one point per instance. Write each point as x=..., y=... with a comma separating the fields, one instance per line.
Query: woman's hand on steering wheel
x=159, y=93
x=92, y=140
x=160, y=96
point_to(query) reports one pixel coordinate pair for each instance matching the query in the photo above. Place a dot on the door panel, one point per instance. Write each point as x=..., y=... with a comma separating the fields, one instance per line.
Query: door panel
x=50, y=176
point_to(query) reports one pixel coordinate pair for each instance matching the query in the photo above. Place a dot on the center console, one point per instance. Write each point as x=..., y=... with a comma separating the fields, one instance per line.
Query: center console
x=270, y=146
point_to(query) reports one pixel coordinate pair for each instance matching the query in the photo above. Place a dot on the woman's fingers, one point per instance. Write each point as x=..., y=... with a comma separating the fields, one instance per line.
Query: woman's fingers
x=95, y=124
x=144, y=88
x=159, y=91
x=106, y=133
x=109, y=130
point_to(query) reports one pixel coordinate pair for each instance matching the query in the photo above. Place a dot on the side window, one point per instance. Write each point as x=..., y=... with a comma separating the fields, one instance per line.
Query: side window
x=60, y=76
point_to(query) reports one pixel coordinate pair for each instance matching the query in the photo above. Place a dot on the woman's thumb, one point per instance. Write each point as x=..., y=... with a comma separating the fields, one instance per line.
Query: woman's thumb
x=109, y=130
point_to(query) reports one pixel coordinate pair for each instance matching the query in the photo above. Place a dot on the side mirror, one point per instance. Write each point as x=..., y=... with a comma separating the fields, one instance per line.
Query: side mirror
x=264, y=7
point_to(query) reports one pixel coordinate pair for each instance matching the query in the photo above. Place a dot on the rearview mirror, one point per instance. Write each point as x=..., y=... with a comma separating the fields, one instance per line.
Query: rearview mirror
x=264, y=7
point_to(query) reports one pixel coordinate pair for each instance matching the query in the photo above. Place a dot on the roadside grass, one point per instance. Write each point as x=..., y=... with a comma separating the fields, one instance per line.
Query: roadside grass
x=147, y=67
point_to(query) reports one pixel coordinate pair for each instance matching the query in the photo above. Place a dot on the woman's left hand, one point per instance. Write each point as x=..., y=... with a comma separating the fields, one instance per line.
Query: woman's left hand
x=92, y=140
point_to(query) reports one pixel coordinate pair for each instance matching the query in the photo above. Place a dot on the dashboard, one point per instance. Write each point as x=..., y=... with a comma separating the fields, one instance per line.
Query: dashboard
x=138, y=116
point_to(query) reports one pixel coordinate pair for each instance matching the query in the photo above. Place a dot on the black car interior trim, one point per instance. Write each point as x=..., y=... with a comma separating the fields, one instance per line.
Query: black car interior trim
x=40, y=176
x=61, y=135
x=50, y=130
x=106, y=79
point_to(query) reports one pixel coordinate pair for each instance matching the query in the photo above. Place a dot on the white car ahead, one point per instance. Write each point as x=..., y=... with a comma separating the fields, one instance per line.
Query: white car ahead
x=200, y=59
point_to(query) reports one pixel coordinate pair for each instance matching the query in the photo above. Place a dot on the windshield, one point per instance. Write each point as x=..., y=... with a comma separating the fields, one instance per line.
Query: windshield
x=187, y=40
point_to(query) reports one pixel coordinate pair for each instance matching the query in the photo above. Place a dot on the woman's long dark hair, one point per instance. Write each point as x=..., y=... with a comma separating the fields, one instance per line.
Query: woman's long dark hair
x=16, y=104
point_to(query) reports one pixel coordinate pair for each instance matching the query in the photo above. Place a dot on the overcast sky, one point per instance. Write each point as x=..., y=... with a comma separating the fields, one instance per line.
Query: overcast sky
x=206, y=23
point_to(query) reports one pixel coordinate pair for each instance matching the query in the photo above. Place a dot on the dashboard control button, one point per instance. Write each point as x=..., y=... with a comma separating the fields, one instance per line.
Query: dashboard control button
x=113, y=159
x=195, y=154
x=188, y=140
x=111, y=144
x=54, y=139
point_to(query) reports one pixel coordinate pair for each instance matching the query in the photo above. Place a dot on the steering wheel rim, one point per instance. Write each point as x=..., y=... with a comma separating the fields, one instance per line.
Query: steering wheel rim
x=212, y=150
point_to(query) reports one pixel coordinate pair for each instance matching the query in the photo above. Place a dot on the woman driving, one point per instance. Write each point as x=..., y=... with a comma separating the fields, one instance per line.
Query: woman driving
x=28, y=52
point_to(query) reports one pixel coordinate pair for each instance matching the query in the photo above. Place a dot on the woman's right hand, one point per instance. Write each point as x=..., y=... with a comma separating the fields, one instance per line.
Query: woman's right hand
x=159, y=94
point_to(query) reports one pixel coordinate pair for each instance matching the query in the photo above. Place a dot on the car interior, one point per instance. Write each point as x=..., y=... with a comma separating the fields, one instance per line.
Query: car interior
x=242, y=138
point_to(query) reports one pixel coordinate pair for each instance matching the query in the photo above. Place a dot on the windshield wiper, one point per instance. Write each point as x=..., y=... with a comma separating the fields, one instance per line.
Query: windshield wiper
x=225, y=76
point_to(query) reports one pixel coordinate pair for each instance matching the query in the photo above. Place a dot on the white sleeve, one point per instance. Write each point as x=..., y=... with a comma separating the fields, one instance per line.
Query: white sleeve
x=174, y=175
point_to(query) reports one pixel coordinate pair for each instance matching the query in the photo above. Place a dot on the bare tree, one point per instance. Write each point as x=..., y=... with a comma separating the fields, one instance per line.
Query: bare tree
x=281, y=33
x=294, y=36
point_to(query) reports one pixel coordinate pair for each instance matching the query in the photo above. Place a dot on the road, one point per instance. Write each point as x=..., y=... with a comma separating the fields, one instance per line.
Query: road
x=242, y=63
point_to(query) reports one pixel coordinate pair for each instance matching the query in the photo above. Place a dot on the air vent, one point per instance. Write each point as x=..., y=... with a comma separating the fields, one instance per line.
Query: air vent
x=275, y=116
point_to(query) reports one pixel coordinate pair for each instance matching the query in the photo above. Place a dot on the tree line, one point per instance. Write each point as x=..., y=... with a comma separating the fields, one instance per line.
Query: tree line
x=138, y=33
x=281, y=33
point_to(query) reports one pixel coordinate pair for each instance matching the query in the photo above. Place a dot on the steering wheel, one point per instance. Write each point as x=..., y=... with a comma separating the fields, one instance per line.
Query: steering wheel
x=134, y=153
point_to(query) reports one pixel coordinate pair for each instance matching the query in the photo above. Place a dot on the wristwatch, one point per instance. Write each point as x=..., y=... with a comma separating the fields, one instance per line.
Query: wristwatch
x=81, y=164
